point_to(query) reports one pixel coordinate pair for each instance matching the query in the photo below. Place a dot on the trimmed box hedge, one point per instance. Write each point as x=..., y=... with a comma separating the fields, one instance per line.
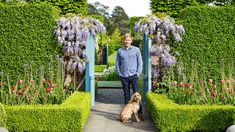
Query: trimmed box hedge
x=169, y=116
x=69, y=116
x=2, y=116
x=26, y=34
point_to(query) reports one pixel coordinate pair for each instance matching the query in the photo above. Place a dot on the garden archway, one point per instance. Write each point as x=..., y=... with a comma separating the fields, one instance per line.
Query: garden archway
x=90, y=68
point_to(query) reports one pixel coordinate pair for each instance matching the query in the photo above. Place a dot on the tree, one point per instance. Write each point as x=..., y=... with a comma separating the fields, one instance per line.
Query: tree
x=120, y=19
x=115, y=39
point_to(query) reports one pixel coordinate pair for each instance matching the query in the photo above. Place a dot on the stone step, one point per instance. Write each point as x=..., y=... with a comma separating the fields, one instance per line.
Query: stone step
x=109, y=84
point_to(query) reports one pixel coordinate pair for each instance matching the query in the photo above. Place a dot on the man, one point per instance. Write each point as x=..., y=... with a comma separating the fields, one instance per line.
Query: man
x=129, y=66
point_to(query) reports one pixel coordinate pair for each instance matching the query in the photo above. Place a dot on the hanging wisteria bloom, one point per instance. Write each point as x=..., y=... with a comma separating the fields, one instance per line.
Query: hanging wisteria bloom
x=161, y=31
x=72, y=33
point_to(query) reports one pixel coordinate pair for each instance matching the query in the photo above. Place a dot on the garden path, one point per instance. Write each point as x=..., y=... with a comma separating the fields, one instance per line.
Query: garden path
x=104, y=115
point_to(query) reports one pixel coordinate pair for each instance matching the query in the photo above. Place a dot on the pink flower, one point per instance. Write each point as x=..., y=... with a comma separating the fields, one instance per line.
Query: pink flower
x=174, y=83
x=43, y=80
x=20, y=82
x=222, y=81
x=32, y=81
x=215, y=87
x=210, y=81
x=52, y=85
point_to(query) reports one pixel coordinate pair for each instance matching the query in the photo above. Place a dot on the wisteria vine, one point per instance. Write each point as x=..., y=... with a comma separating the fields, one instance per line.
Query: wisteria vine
x=161, y=31
x=72, y=32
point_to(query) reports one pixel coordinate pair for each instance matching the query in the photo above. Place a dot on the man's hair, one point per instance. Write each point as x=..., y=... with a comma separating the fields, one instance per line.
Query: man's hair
x=127, y=35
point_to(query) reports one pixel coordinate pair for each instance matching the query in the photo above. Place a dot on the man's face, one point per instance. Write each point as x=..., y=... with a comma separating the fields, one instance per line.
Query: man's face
x=127, y=42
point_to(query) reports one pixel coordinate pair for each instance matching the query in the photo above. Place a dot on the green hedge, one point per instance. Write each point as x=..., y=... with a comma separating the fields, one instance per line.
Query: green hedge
x=209, y=38
x=69, y=116
x=67, y=6
x=2, y=116
x=171, y=7
x=26, y=34
x=169, y=116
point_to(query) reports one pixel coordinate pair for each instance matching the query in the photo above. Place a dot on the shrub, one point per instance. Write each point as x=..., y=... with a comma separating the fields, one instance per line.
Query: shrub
x=69, y=116
x=2, y=116
x=169, y=116
x=209, y=40
x=171, y=7
x=66, y=6
x=26, y=36
x=100, y=68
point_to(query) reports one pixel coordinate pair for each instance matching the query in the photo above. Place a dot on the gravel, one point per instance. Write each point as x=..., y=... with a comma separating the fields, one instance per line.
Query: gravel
x=110, y=96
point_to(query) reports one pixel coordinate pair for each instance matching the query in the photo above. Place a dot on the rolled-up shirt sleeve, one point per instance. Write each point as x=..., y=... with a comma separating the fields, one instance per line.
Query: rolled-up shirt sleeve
x=118, y=64
x=139, y=63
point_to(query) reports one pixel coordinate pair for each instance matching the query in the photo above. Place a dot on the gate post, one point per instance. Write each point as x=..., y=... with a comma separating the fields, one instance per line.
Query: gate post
x=90, y=68
x=147, y=66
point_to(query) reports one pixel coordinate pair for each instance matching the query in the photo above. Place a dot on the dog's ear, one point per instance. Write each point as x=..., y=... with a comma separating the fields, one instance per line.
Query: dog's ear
x=132, y=98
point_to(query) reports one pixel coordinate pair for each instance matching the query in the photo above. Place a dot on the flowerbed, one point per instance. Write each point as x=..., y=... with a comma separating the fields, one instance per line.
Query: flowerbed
x=203, y=92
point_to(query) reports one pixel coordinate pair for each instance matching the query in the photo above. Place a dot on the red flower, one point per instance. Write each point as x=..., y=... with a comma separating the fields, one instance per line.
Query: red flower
x=186, y=84
x=181, y=84
x=213, y=94
x=49, y=81
x=48, y=90
x=19, y=92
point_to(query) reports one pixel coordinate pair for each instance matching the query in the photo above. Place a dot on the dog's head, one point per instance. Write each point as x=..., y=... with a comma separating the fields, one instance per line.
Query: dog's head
x=136, y=97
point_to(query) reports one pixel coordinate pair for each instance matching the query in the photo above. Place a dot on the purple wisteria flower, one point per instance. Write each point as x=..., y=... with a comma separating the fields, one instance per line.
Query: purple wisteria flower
x=72, y=33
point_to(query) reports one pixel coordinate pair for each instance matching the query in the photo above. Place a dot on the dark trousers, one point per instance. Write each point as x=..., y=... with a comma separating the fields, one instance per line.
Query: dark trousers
x=127, y=83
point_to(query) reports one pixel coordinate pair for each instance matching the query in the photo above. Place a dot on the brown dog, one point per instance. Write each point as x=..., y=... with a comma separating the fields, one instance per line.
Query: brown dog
x=132, y=107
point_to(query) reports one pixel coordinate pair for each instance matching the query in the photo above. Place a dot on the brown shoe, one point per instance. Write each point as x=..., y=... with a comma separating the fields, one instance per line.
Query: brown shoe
x=141, y=116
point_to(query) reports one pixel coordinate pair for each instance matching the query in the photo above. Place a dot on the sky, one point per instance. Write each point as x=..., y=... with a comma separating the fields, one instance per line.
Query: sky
x=131, y=7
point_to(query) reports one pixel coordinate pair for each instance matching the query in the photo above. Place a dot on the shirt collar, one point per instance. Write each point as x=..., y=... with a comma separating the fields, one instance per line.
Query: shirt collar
x=128, y=48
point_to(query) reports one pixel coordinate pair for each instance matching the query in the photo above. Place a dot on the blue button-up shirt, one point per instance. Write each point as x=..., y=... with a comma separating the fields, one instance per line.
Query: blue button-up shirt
x=129, y=62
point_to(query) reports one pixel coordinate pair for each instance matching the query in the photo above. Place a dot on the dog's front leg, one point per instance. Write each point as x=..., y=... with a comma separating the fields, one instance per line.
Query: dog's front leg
x=136, y=116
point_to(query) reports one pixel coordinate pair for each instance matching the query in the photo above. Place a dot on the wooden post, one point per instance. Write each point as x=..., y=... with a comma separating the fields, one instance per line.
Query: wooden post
x=147, y=66
x=107, y=55
x=90, y=68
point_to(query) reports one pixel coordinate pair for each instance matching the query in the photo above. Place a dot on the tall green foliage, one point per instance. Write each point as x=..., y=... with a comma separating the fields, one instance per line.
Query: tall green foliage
x=67, y=6
x=26, y=35
x=209, y=40
x=171, y=7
